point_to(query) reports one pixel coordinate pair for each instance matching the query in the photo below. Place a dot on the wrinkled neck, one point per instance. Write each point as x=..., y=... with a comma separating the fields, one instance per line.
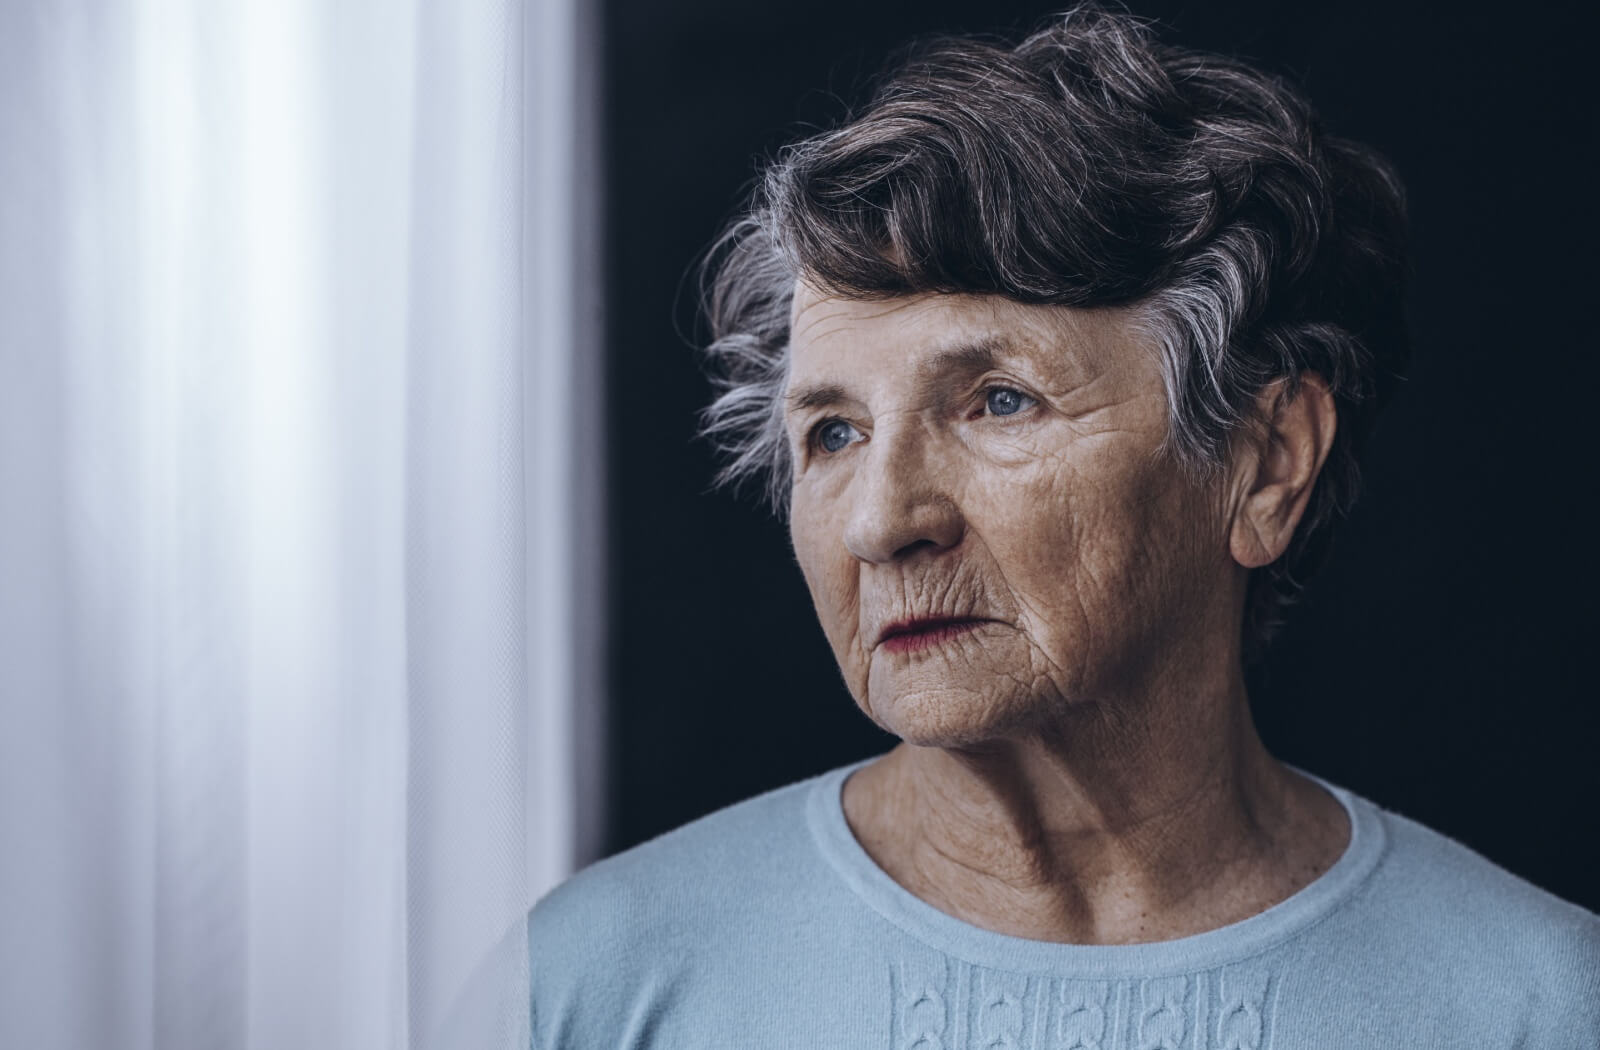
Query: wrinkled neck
x=1111, y=824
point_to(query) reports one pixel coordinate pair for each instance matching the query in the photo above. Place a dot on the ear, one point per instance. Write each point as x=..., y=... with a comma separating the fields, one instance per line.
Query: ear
x=1277, y=474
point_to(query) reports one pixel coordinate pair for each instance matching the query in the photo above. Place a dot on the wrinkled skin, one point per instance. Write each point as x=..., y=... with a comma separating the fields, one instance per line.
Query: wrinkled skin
x=1091, y=554
x=1081, y=766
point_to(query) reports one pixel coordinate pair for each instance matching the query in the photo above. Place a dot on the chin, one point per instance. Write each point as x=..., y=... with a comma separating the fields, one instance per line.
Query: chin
x=955, y=718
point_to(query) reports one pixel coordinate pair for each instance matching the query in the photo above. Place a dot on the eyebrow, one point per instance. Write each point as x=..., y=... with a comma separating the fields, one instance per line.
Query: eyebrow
x=978, y=356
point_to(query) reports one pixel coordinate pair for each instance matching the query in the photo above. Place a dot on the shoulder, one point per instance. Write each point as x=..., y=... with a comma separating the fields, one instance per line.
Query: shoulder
x=1447, y=908
x=710, y=862
x=630, y=933
x=1443, y=878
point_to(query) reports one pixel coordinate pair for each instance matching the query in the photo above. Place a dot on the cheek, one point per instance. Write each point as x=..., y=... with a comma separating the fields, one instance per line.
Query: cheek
x=829, y=572
x=1091, y=548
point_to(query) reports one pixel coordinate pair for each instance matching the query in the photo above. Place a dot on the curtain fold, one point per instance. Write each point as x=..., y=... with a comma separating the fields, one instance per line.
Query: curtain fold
x=464, y=450
x=296, y=663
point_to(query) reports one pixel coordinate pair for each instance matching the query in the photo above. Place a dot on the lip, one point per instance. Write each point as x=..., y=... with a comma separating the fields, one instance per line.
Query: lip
x=906, y=636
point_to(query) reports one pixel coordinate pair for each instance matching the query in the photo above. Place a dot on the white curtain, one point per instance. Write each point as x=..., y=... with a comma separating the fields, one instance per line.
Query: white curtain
x=299, y=453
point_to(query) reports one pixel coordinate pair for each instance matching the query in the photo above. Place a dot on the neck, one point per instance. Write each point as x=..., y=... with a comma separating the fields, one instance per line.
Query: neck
x=1115, y=823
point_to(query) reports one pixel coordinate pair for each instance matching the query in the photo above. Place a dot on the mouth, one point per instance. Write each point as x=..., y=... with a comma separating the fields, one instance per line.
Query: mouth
x=908, y=636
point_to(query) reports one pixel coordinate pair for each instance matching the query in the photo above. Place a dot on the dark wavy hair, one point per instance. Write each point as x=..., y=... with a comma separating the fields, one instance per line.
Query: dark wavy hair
x=1088, y=165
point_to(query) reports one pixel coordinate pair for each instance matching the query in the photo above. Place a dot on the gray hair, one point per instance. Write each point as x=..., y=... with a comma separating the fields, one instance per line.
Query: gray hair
x=1089, y=165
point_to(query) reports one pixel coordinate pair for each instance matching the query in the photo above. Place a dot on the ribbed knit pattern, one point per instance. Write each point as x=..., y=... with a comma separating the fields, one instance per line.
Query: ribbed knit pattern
x=767, y=926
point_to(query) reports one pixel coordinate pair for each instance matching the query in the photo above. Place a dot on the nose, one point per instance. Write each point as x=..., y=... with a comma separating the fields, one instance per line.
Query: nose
x=900, y=497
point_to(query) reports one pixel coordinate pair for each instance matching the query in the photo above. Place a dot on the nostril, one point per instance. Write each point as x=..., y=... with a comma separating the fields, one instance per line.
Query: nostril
x=912, y=547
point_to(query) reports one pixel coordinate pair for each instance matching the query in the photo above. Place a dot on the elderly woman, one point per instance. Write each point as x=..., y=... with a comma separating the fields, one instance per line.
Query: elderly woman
x=1060, y=359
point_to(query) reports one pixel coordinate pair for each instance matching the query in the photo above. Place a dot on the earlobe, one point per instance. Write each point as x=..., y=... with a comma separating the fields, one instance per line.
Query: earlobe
x=1298, y=434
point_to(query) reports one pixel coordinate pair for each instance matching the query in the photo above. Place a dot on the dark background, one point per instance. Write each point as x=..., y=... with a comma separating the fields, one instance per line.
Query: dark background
x=1441, y=664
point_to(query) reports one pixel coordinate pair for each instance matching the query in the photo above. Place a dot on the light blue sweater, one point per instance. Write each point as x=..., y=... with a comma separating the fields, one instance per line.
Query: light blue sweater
x=766, y=926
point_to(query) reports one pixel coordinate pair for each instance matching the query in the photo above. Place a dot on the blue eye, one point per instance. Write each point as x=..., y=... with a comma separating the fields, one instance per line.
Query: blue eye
x=834, y=435
x=1004, y=401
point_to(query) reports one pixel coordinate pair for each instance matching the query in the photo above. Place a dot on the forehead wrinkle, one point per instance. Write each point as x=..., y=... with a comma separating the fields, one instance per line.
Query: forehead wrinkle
x=807, y=298
x=818, y=329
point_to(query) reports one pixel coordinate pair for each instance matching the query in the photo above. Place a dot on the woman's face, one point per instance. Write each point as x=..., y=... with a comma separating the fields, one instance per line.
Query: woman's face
x=973, y=458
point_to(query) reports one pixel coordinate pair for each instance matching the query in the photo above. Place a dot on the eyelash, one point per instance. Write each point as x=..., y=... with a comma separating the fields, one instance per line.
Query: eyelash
x=814, y=435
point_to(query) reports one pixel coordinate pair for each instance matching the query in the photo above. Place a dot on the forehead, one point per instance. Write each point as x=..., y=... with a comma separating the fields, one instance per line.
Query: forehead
x=819, y=321
x=840, y=339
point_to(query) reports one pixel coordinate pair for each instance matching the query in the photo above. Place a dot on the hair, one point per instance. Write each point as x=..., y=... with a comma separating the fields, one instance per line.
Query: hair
x=1088, y=165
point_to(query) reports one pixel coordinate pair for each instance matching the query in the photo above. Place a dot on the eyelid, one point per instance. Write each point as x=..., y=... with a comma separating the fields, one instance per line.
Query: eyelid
x=813, y=439
x=990, y=386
